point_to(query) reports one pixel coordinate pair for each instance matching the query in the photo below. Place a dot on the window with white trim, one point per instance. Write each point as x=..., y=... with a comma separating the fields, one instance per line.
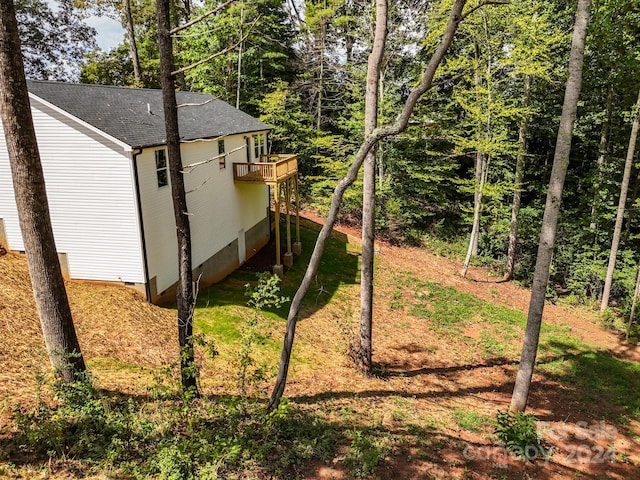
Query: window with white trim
x=162, y=172
x=259, y=145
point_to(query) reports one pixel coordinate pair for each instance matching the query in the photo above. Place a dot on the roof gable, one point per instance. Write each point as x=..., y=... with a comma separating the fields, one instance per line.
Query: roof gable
x=135, y=116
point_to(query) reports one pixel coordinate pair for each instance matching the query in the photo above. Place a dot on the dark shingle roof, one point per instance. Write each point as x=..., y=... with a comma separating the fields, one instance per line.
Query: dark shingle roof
x=124, y=114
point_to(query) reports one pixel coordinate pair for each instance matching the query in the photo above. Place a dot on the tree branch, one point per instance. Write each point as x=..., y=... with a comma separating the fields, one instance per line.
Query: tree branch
x=201, y=17
x=196, y=104
x=484, y=4
x=188, y=168
x=217, y=54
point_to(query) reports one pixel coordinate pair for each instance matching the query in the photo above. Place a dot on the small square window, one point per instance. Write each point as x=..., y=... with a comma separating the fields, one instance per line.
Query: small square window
x=161, y=168
x=222, y=159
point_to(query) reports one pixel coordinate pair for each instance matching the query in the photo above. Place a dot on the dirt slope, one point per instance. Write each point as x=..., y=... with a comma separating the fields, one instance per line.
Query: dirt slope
x=135, y=334
x=428, y=377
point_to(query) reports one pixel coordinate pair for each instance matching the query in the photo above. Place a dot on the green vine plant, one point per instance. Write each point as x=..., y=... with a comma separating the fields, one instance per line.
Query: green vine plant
x=256, y=332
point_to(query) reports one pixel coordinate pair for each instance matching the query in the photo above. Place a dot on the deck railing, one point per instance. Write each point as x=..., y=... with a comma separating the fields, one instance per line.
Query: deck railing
x=271, y=168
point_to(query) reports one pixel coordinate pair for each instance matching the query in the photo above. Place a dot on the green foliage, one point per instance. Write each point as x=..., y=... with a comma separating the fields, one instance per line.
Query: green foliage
x=54, y=38
x=171, y=438
x=517, y=431
x=255, y=331
x=364, y=455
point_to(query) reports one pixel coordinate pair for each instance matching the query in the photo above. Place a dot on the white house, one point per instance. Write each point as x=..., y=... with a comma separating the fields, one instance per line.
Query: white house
x=104, y=159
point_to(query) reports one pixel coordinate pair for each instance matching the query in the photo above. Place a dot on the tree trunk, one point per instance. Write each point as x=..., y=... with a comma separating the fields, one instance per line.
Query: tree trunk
x=323, y=30
x=133, y=46
x=602, y=154
x=369, y=142
x=33, y=209
x=636, y=293
x=477, y=195
x=365, y=350
x=185, y=296
x=552, y=210
x=517, y=187
x=239, y=69
x=475, y=229
x=622, y=203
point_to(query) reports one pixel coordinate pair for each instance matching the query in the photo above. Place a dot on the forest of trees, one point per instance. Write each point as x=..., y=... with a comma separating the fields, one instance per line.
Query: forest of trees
x=479, y=145
x=501, y=133
x=476, y=157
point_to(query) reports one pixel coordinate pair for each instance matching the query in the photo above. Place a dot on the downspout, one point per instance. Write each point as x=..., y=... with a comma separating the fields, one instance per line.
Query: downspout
x=145, y=264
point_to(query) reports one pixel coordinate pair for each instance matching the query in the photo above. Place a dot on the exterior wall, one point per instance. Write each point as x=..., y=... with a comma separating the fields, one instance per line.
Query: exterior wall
x=220, y=212
x=91, y=199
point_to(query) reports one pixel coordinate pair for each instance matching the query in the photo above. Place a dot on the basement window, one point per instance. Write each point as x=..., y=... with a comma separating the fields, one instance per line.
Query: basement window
x=161, y=168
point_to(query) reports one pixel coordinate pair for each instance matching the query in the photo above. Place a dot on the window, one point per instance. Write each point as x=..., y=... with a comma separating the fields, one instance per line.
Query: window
x=259, y=145
x=161, y=168
x=222, y=159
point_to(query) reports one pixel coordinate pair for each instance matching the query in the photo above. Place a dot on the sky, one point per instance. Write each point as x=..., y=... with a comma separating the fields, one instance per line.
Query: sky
x=110, y=32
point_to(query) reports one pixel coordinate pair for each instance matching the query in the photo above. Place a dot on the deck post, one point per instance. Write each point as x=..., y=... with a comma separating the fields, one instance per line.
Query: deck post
x=297, y=246
x=288, y=257
x=276, y=197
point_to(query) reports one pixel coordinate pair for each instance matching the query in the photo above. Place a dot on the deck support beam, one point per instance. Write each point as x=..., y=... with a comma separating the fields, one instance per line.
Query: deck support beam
x=276, y=198
x=297, y=246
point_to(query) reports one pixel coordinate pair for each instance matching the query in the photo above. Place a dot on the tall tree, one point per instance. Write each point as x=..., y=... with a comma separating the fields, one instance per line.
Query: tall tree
x=54, y=38
x=369, y=142
x=552, y=209
x=33, y=209
x=364, y=356
x=517, y=187
x=185, y=293
x=122, y=11
x=622, y=205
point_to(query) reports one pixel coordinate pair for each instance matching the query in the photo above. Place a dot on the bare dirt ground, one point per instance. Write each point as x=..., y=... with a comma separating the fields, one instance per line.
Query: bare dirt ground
x=438, y=376
x=425, y=377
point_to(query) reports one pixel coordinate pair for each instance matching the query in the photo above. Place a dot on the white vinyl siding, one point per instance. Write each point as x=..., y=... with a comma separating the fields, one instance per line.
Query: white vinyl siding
x=91, y=197
x=218, y=208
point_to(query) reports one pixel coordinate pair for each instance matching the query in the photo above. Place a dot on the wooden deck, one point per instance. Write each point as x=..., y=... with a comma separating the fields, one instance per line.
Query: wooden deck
x=271, y=169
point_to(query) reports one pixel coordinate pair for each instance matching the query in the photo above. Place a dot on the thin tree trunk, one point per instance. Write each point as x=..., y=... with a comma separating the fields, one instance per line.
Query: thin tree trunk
x=622, y=203
x=552, y=210
x=631, y=214
x=602, y=154
x=517, y=187
x=369, y=142
x=475, y=229
x=365, y=350
x=636, y=294
x=185, y=296
x=33, y=209
x=133, y=46
x=239, y=70
x=477, y=195
x=321, y=73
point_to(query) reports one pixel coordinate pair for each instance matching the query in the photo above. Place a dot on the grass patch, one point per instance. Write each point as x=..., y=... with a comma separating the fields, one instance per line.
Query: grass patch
x=447, y=307
x=469, y=419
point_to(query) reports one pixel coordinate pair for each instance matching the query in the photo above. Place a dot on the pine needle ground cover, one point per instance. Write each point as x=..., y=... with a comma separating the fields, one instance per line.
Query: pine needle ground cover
x=446, y=350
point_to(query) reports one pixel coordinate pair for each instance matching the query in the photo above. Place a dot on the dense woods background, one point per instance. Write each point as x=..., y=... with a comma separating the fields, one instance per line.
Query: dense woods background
x=300, y=67
x=470, y=174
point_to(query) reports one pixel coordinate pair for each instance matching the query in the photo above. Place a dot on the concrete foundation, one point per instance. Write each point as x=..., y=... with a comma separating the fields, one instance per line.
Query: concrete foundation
x=3, y=235
x=64, y=265
x=257, y=237
x=297, y=248
x=219, y=265
x=288, y=259
x=278, y=270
